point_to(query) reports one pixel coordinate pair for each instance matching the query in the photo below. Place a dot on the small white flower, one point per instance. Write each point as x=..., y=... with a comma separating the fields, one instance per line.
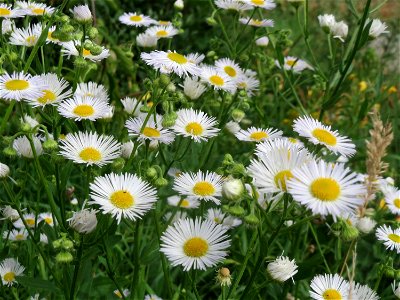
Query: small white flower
x=26, y=37
x=339, y=30
x=18, y=86
x=71, y=49
x=218, y=217
x=16, y=235
x=326, y=22
x=254, y=134
x=362, y=292
x=82, y=13
x=193, y=88
x=134, y=19
x=257, y=22
x=9, y=213
x=84, y=108
x=146, y=40
x=266, y=4
x=32, y=8
x=262, y=41
x=9, y=269
x=83, y=221
x=365, y=224
x=233, y=5
x=30, y=220
x=329, y=286
x=4, y=170
x=390, y=237
x=47, y=218
x=161, y=32
x=294, y=64
x=282, y=268
x=7, y=26
x=229, y=67
x=6, y=12
x=217, y=79
x=126, y=149
x=184, y=203
x=23, y=147
x=92, y=89
x=377, y=28
x=132, y=106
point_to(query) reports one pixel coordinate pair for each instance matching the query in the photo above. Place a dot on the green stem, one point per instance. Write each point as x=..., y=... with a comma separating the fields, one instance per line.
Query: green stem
x=135, y=282
x=76, y=271
x=319, y=247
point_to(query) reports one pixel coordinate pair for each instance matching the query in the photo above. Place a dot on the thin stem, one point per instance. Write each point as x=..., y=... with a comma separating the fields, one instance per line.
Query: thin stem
x=319, y=247
x=76, y=271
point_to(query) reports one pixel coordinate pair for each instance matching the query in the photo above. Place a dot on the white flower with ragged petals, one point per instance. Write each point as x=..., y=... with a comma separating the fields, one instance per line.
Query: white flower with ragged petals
x=280, y=143
x=294, y=64
x=146, y=40
x=339, y=30
x=218, y=79
x=7, y=26
x=393, y=202
x=134, y=19
x=30, y=220
x=193, y=88
x=23, y=147
x=83, y=221
x=254, y=134
x=122, y=195
x=195, y=244
x=167, y=62
x=9, y=213
x=233, y=5
x=27, y=119
x=35, y=9
x=365, y=224
x=132, y=106
x=71, y=49
x=195, y=124
x=9, y=269
x=153, y=130
x=6, y=12
x=15, y=235
x=161, y=32
x=84, y=108
x=257, y=22
x=282, y=268
x=55, y=90
x=82, y=13
x=126, y=149
x=46, y=217
x=317, y=133
x=184, y=202
x=233, y=127
x=90, y=148
x=377, y=28
x=218, y=217
x=326, y=189
x=4, y=170
x=202, y=186
x=18, y=86
x=92, y=89
x=390, y=237
x=362, y=292
x=249, y=83
x=327, y=21
x=266, y=4
x=329, y=286
x=229, y=67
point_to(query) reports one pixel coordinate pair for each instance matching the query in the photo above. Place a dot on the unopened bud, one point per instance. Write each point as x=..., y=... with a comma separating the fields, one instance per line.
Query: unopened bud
x=64, y=257
x=237, y=211
x=50, y=145
x=160, y=182
x=251, y=220
x=118, y=164
x=84, y=221
x=151, y=173
x=232, y=189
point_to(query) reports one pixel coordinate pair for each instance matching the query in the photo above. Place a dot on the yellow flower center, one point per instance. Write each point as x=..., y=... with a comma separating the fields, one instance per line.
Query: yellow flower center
x=86, y=52
x=48, y=220
x=161, y=33
x=394, y=237
x=17, y=85
x=31, y=40
x=293, y=140
x=178, y=58
x=331, y=294
x=90, y=154
x=19, y=237
x=217, y=220
x=185, y=203
x=324, y=136
x=122, y=199
x=50, y=36
x=396, y=202
x=230, y=71
x=9, y=277
x=203, y=188
x=195, y=247
x=48, y=97
x=38, y=11
x=151, y=132
x=291, y=62
x=163, y=23
x=257, y=2
x=84, y=110
x=217, y=80
x=136, y=18
x=118, y=294
x=5, y=12
x=30, y=222
x=258, y=135
x=325, y=189
x=256, y=22
x=281, y=177
x=242, y=85
x=194, y=128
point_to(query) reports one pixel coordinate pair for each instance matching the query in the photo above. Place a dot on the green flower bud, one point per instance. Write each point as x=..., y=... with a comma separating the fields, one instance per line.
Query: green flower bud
x=151, y=173
x=238, y=169
x=96, y=50
x=88, y=45
x=228, y=160
x=25, y=127
x=57, y=244
x=9, y=151
x=237, y=211
x=169, y=119
x=211, y=21
x=238, y=115
x=93, y=33
x=64, y=257
x=232, y=189
x=171, y=88
x=67, y=244
x=80, y=62
x=13, y=56
x=160, y=182
x=349, y=232
x=50, y=145
x=67, y=28
x=164, y=80
x=251, y=220
x=144, y=109
x=210, y=54
x=118, y=164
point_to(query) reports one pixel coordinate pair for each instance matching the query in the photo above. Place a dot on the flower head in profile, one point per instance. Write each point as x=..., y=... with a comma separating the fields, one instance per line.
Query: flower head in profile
x=9, y=269
x=137, y=20
x=294, y=64
x=82, y=13
x=282, y=268
x=7, y=12
x=377, y=28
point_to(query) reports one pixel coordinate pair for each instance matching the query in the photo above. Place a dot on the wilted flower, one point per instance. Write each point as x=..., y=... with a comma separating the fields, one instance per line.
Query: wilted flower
x=83, y=221
x=282, y=268
x=377, y=28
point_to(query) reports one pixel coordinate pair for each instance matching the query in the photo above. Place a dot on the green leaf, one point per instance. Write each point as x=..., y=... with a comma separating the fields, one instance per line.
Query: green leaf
x=37, y=283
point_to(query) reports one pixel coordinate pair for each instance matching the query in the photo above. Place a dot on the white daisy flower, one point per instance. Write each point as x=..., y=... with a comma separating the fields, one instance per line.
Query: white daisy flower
x=282, y=268
x=126, y=293
x=218, y=217
x=377, y=28
x=7, y=12
x=249, y=83
x=153, y=130
x=390, y=237
x=92, y=89
x=362, y=292
x=18, y=86
x=339, y=30
x=195, y=244
x=262, y=41
x=23, y=147
x=134, y=19
x=50, y=38
x=267, y=146
x=26, y=37
x=195, y=124
x=257, y=22
x=193, y=88
x=326, y=21
x=15, y=235
x=184, y=203
x=393, y=202
x=329, y=287
x=46, y=217
x=4, y=170
x=160, y=32
x=146, y=40
x=273, y=169
x=266, y=4
x=294, y=64
x=30, y=220
x=35, y=9
x=122, y=195
x=55, y=90
x=170, y=62
x=254, y=134
x=9, y=213
x=9, y=269
x=90, y=148
x=229, y=67
x=83, y=221
x=70, y=49
x=217, y=79
x=132, y=106
x=233, y=5
x=82, y=13
x=317, y=133
x=84, y=108
x=326, y=189
x=202, y=186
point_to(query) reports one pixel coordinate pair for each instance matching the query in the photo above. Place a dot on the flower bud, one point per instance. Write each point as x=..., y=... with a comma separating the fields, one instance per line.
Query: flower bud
x=238, y=115
x=169, y=119
x=4, y=171
x=67, y=244
x=236, y=211
x=83, y=221
x=118, y=164
x=9, y=151
x=9, y=213
x=50, y=145
x=232, y=189
x=160, y=182
x=282, y=268
x=211, y=21
x=224, y=277
x=179, y=5
x=151, y=173
x=164, y=80
x=64, y=257
x=252, y=220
